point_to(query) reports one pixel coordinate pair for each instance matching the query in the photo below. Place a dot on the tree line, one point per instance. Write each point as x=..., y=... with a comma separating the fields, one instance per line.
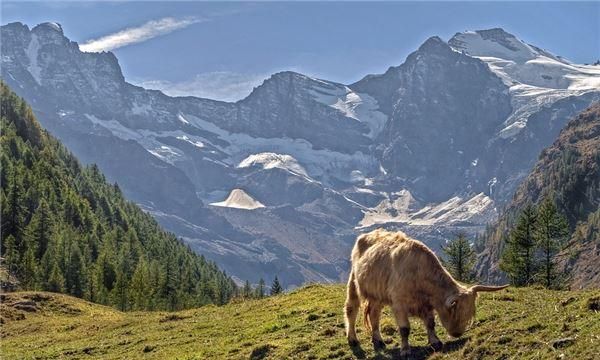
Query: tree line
x=260, y=291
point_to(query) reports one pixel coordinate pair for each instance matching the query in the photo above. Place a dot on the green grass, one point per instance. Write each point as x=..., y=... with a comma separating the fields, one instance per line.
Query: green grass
x=305, y=324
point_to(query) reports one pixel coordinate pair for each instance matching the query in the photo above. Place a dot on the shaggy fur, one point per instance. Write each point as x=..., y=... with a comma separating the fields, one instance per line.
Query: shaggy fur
x=389, y=268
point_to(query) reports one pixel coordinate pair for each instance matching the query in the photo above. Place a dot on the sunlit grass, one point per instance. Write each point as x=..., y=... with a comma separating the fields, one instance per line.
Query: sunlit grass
x=307, y=323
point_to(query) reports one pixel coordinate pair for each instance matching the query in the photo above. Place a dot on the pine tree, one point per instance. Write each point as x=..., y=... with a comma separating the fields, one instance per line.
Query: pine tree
x=39, y=228
x=276, y=287
x=56, y=281
x=140, y=287
x=551, y=231
x=260, y=289
x=460, y=258
x=247, y=290
x=29, y=274
x=75, y=274
x=11, y=255
x=518, y=258
x=14, y=212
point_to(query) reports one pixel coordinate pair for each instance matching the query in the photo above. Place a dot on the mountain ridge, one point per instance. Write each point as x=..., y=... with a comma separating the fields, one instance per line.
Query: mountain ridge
x=358, y=146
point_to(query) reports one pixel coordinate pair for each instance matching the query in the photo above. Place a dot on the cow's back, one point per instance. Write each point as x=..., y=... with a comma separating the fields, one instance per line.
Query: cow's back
x=373, y=257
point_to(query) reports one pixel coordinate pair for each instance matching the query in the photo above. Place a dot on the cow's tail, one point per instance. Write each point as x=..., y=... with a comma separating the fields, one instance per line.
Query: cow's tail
x=367, y=319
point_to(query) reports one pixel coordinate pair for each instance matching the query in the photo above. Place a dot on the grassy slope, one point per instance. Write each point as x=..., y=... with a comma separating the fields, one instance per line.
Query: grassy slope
x=516, y=323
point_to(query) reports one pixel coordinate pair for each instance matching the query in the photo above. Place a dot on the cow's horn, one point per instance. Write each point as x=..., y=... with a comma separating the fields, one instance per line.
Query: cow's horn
x=477, y=288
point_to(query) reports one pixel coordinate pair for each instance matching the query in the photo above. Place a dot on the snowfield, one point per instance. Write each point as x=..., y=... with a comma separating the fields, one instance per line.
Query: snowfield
x=536, y=77
x=239, y=199
x=360, y=107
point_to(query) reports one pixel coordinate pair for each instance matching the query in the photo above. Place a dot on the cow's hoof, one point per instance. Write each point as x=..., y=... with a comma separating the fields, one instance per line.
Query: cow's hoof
x=378, y=344
x=353, y=342
x=437, y=346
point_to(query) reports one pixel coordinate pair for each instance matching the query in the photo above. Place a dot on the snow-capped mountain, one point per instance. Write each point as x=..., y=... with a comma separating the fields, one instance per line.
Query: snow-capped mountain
x=279, y=183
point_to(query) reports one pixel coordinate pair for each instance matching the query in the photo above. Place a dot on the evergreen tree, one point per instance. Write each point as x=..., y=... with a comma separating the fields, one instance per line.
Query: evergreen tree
x=39, y=228
x=276, y=287
x=140, y=288
x=460, y=258
x=11, y=255
x=119, y=293
x=13, y=213
x=56, y=281
x=260, y=289
x=518, y=258
x=551, y=231
x=30, y=268
x=75, y=274
x=247, y=290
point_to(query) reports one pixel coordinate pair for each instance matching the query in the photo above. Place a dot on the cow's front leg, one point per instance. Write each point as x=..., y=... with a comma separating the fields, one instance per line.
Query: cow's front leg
x=401, y=316
x=434, y=341
x=374, y=316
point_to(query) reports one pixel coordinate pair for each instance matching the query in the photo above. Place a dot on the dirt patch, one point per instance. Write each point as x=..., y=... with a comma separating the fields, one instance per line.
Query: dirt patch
x=26, y=305
x=535, y=328
x=148, y=348
x=562, y=343
x=593, y=304
x=260, y=352
x=172, y=317
x=312, y=317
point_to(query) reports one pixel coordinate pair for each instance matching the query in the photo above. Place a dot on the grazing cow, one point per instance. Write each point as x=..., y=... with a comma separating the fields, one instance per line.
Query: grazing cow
x=389, y=268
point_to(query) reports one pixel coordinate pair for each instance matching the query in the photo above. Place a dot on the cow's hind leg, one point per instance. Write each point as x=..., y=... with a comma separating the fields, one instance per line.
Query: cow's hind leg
x=429, y=321
x=401, y=316
x=351, y=309
x=374, y=316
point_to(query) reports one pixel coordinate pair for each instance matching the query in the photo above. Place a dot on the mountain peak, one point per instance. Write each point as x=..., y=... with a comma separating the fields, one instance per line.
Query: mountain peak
x=498, y=43
x=49, y=26
x=434, y=43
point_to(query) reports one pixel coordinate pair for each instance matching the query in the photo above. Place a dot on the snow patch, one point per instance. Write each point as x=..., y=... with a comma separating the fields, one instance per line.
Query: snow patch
x=182, y=119
x=198, y=144
x=269, y=160
x=360, y=107
x=239, y=199
x=402, y=208
x=535, y=77
x=166, y=153
x=316, y=163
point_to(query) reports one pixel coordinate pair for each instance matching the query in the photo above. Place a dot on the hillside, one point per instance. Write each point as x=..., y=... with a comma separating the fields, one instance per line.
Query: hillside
x=66, y=229
x=568, y=171
x=522, y=323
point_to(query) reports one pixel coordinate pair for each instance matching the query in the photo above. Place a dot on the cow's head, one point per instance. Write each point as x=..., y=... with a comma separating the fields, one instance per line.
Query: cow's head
x=459, y=310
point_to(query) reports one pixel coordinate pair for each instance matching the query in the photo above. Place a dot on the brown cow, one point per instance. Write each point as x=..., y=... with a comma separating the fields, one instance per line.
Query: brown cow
x=389, y=268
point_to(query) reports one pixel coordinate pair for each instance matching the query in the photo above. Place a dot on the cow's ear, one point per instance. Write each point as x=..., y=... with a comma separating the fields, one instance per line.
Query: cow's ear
x=451, y=301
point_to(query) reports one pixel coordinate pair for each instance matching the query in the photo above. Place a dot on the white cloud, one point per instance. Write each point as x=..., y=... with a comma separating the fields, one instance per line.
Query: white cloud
x=138, y=34
x=219, y=85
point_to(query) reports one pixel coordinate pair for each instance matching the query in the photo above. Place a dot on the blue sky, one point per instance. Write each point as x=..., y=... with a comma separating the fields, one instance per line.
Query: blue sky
x=222, y=50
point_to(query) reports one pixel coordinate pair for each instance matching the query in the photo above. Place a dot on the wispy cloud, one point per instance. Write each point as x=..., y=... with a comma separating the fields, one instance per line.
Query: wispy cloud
x=138, y=34
x=218, y=85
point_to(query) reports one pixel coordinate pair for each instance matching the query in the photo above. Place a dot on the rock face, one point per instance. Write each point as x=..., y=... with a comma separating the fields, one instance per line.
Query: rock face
x=569, y=172
x=446, y=100
x=432, y=146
